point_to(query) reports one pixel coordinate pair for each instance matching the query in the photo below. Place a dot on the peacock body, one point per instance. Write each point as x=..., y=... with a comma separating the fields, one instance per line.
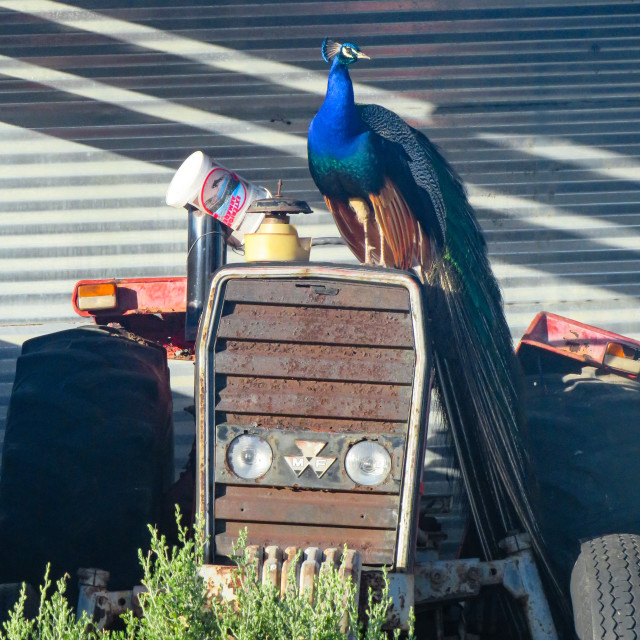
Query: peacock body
x=398, y=203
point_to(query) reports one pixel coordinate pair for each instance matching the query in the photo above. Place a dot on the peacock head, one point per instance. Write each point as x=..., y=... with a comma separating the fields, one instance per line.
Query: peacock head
x=346, y=53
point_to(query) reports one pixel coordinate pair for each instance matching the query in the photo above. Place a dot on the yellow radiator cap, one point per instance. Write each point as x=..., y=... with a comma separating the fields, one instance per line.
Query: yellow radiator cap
x=276, y=241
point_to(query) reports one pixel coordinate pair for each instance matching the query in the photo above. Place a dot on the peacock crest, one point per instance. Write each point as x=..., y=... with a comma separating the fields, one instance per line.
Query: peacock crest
x=330, y=49
x=346, y=53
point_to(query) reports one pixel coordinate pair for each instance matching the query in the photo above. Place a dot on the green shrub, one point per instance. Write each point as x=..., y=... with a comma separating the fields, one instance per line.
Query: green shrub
x=56, y=620
x=176, y=607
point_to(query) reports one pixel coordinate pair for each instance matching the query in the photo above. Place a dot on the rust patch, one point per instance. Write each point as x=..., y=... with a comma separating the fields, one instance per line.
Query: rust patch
x=314, y=398
x=574, y=344
x=315, y=361
x=201, y=478
x=376, y=545
x=296, y=423
x=353, y=509
x=316, y=325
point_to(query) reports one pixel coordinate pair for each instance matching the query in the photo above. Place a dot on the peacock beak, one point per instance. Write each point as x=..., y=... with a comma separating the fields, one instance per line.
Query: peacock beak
x=360, y=54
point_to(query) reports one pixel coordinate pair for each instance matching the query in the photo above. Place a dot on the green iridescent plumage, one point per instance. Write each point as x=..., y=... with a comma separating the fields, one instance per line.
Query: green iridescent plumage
x=368, y=153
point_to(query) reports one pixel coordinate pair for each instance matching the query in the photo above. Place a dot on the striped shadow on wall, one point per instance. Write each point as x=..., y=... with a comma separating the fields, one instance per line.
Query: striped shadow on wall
x=536, y=106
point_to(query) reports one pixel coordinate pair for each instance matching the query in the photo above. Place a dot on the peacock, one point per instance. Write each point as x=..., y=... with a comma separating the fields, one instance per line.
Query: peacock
x=398, y=203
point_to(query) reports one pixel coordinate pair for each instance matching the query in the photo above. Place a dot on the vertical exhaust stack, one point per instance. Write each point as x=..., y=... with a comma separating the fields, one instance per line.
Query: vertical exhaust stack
x=206, y=252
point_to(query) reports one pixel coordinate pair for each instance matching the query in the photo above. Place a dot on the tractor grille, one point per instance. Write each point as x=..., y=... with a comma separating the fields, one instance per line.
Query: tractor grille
x=332, y=360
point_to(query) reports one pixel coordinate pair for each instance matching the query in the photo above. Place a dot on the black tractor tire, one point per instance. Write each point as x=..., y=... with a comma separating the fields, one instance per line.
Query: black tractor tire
x=9, y=596
x=584, y=445
x=605, y=588
x=87, y=456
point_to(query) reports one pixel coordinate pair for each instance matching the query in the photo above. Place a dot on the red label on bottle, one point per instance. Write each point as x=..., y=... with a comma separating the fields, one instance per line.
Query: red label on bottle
x=223, y=194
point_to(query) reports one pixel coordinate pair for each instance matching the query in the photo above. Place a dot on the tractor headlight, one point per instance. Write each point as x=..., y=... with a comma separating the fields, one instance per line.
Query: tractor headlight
x=249, y=457
x=367, y=463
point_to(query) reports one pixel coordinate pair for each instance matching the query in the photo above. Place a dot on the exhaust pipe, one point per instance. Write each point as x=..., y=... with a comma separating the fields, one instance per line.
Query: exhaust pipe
x=206, y=252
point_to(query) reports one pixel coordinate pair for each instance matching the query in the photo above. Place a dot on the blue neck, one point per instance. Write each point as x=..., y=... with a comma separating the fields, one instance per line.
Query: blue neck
x=338, y=112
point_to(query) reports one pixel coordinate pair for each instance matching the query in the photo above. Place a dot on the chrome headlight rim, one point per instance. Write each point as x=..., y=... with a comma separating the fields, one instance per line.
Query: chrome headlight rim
x=249, y=456
x=362, y=468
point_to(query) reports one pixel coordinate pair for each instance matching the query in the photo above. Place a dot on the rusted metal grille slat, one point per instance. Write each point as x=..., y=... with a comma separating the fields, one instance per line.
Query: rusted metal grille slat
x=376, y=545
x=317, y=362
x=312, y=423
x=370, y=510
x=325, y=293
x=313, y=398
x=316, y=325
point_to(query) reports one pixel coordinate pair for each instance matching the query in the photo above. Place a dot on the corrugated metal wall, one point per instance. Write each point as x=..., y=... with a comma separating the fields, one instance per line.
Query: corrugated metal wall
x=537, y=106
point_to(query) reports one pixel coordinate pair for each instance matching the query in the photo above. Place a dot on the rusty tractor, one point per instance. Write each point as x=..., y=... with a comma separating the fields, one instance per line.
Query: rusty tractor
x=310, y=433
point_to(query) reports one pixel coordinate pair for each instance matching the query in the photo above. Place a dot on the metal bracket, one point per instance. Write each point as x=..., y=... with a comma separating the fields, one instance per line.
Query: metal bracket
x=102, y=606
x=462, y=579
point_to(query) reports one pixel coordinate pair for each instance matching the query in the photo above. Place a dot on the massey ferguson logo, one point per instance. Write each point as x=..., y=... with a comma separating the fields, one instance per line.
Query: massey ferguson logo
x=309, y=458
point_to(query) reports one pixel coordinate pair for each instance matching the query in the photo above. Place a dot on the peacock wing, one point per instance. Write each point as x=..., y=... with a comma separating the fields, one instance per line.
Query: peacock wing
x=449, y=207
x=348, y=226
x=399, y=227
x=407, y=151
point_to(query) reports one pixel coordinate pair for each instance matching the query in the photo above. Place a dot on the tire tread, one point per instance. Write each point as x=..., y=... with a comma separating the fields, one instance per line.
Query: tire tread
x=605, y=588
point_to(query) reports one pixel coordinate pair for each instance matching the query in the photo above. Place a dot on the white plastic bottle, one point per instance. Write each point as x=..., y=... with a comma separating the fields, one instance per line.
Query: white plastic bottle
x=217, y=191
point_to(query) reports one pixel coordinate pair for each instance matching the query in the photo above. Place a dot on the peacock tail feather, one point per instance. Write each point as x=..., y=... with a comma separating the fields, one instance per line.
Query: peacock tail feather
x=421, y=220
